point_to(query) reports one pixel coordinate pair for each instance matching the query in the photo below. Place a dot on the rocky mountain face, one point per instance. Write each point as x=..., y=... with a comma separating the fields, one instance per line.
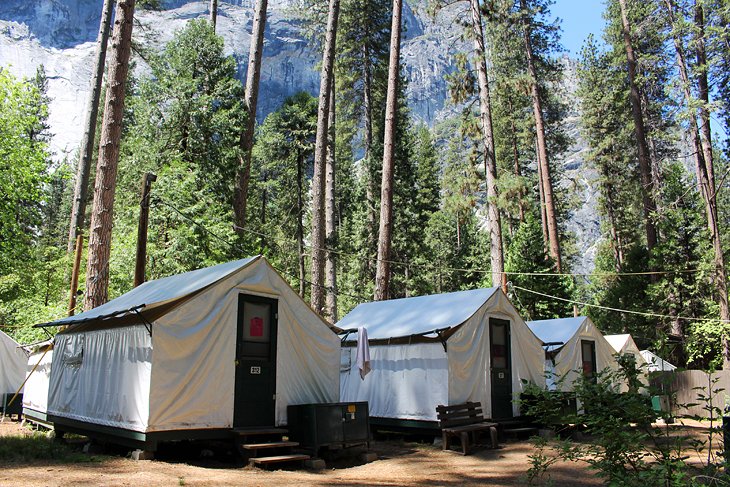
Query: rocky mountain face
x=61, y=35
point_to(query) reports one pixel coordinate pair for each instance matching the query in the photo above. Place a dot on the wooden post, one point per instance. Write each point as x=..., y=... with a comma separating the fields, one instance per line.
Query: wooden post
x=504, y=282
x=575, y=310
x=75, y=274
x=144, y=213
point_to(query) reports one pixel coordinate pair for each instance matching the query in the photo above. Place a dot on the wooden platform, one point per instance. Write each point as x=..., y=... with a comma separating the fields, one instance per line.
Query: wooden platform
x=258, y=431
x=278, y=459
x=270, y=444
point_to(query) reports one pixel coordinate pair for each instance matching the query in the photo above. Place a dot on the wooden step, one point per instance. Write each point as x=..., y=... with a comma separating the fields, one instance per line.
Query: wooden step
x=259, y=431
x=278, y=459
x=272, y=444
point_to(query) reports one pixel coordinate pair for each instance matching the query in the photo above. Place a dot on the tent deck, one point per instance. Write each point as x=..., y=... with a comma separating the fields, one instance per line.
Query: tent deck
x=136, y=439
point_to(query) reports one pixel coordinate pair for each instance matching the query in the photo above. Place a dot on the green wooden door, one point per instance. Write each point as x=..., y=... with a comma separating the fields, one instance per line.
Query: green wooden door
x=255, y=391
x=500, y=368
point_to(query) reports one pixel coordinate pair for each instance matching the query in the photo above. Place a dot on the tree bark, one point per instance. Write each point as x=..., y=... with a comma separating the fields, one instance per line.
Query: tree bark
x=647, y=190
x=490, y=166
x=382, y=273
x=251, y=94
x=81, y=188
x=320, y=155
x=300, y=223
x=543, y=161
x=541, y=195
x=330, y=229
x=213, y=13
x=100, y=234
x=370, y=187
x=516, y=160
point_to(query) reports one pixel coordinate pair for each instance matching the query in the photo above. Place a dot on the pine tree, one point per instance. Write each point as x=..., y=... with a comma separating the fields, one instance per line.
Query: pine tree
x=97, y=273
x=78, y=212
x=382, y=275
x=250, y=102
x=320, y=154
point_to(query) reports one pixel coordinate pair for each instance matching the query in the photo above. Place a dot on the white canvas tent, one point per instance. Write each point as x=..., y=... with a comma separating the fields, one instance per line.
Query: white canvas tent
x=432, y=350
x=35, y=392
x=12, y=367
x=655, y=363
x=192, y=355
x=624, y=343
x=572, y=345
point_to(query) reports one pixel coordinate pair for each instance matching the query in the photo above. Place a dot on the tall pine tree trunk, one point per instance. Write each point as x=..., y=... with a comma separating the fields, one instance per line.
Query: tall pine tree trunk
x=213, y=13
x=541, y=195
x=81, y=188
x=551, y=216
x=330, y=267
x=516, y=159
x=385, y=233
x=300, y=224
x=709, y=174
x=319, y=180
x=250, y=100
x=647, y=193
x=490, y=165
x=370, y=186
x=100, y=234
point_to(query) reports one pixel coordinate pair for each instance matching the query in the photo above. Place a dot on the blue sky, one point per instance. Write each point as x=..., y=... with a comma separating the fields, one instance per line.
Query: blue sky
x=579, y=18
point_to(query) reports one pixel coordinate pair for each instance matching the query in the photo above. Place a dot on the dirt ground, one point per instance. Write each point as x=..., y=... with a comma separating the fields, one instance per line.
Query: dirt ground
x=400, y=464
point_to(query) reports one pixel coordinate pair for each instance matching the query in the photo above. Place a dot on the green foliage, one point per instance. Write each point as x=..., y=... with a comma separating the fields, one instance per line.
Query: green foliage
x=22, y=167
x=623, y=446
x=183, y=124
x=526, y=254
x=22, y=449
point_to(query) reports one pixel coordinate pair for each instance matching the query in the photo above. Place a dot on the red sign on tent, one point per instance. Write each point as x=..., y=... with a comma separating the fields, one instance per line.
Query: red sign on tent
x=256, y=328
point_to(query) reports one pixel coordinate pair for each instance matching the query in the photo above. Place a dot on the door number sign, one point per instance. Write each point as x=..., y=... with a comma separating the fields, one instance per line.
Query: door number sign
x=255, y=370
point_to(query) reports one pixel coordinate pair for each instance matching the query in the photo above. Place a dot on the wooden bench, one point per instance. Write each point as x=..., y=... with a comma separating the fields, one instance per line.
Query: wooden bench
x=466, y=422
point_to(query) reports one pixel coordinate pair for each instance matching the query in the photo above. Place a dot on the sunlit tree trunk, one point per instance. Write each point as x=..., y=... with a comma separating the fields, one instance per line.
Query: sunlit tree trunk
x=100, y=234
x=647, y=183
x=385, y=233
x=81, y=188
x=319, y=179
x=490, y=165
x=250, y=100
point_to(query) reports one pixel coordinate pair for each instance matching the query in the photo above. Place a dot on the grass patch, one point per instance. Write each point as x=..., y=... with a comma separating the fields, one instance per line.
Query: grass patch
x=37, y=446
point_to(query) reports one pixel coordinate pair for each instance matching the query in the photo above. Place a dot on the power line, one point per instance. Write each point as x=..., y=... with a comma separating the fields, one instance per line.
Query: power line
x=608, y=308
x=236, y=247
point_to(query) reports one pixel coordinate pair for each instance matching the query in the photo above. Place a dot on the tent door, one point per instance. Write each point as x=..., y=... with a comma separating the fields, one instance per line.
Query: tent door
x=501, y=368
x=254, y=403
x=588, y=355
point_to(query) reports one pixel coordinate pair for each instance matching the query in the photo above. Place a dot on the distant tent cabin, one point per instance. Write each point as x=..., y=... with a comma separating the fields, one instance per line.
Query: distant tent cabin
x=35, y=394
x=192, y=356
x=572, y=346
x=440, y=349
x=624, y=345
x=12, y=372
x=655, y=363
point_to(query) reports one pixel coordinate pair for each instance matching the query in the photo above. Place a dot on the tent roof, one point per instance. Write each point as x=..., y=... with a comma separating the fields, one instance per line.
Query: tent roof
x=157, y=292
x=617, y=342
x=656, y=363
x=557, y=331
x=415, y=316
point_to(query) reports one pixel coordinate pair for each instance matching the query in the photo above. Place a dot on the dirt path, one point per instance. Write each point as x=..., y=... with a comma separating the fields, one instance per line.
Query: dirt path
x=400, y=464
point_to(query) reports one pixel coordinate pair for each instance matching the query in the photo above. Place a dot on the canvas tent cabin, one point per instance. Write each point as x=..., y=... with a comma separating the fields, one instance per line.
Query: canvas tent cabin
x=572, y=346
x=655, y=363
x=440, y=349
x=38, y=376
x=192, y=356
x=12, y=371
x=624, y=345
